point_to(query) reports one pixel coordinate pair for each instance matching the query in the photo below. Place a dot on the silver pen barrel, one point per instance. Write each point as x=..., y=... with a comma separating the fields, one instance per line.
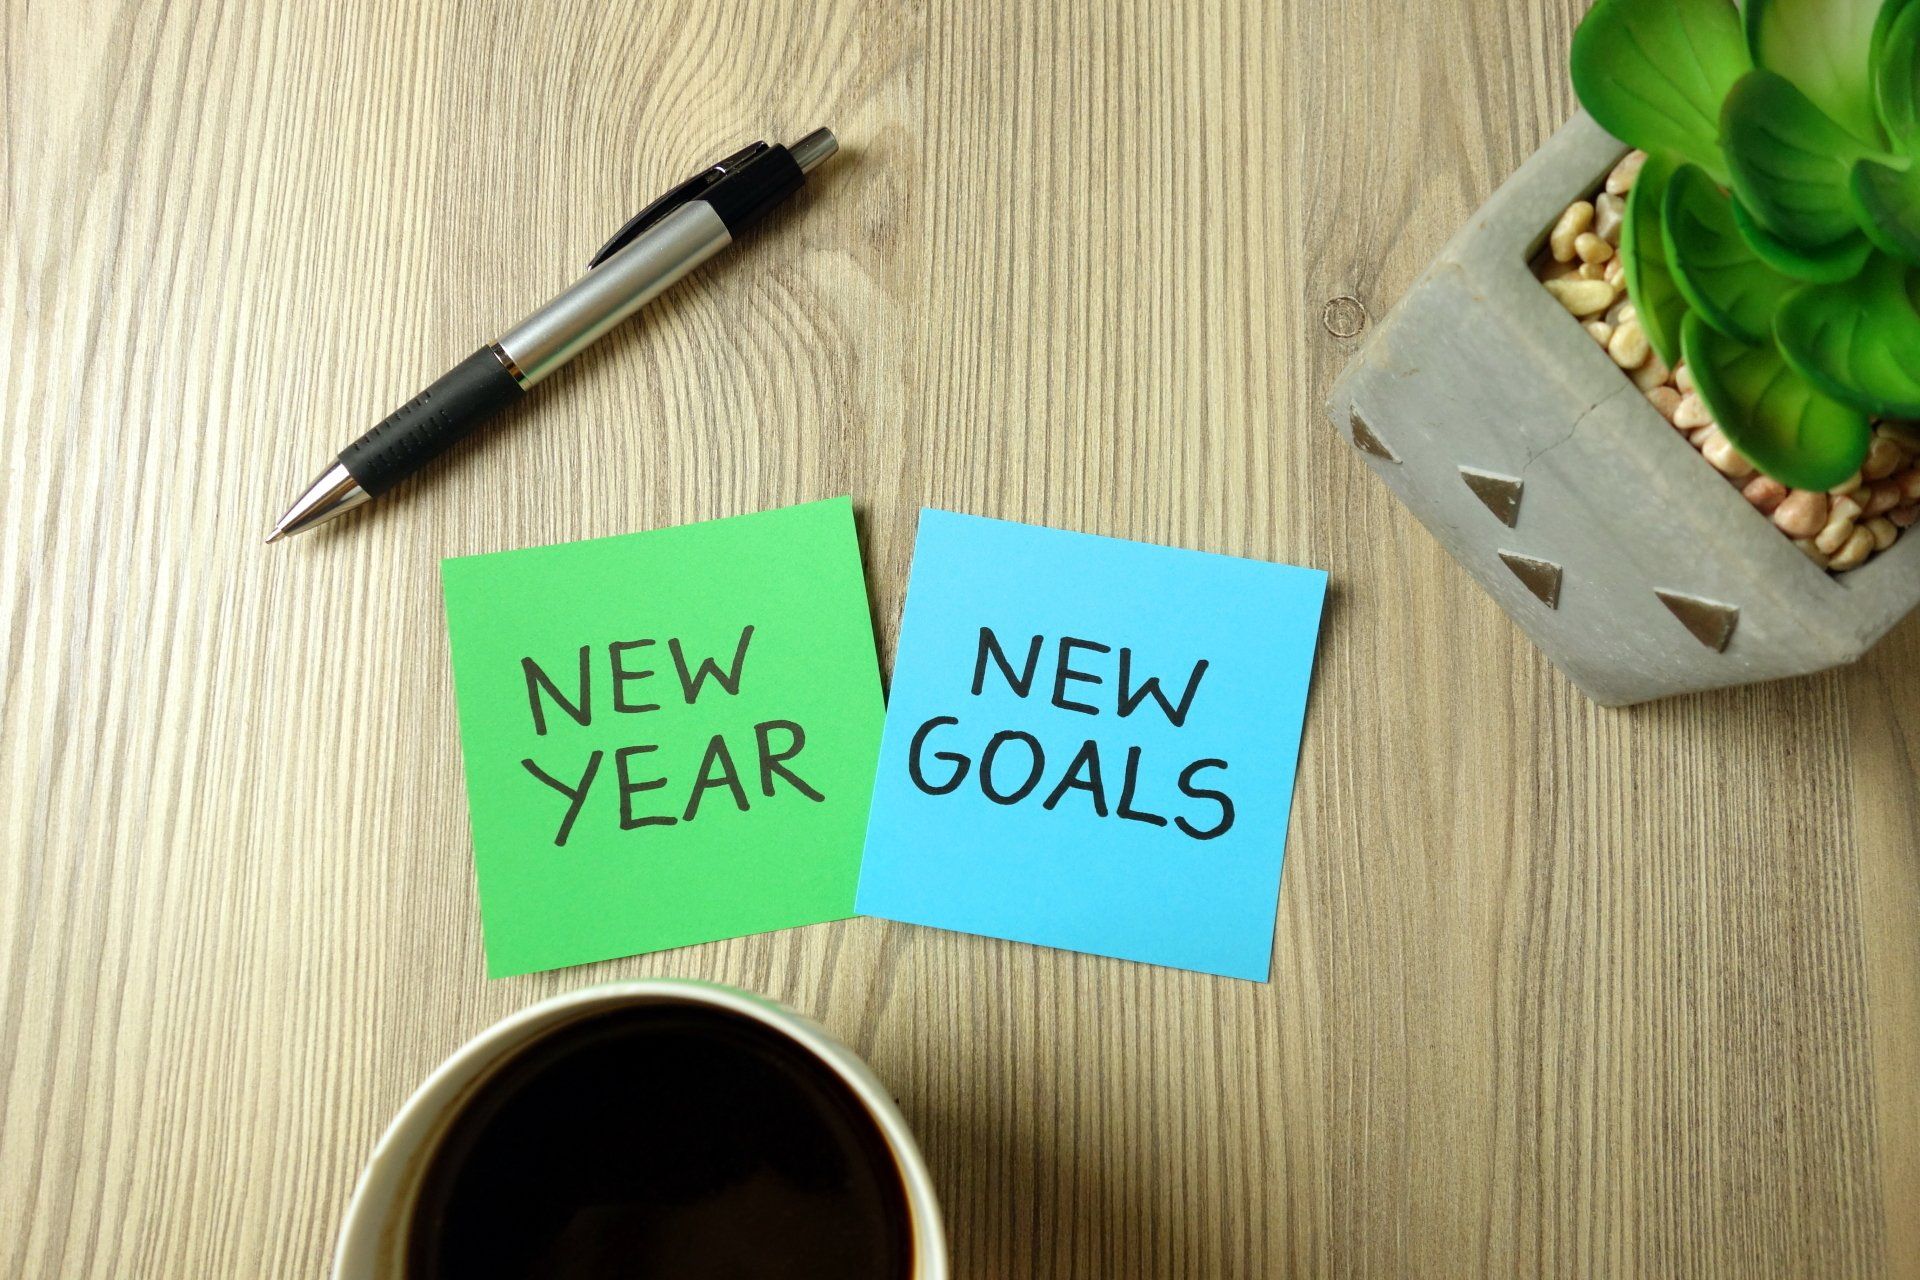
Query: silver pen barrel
x=631, y=278
x=613, y=291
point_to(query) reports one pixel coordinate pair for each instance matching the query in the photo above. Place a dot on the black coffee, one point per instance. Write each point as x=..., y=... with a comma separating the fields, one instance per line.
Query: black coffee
x=662, y=1141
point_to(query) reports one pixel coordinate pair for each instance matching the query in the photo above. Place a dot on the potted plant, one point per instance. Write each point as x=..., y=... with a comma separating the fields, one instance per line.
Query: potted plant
x=1658, y=395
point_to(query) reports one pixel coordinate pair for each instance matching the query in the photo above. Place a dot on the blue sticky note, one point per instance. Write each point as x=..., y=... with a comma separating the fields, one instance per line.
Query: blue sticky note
x=1090, y=744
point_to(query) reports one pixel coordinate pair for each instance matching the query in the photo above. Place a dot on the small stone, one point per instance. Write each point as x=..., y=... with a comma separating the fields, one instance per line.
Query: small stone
x=1845, y=507
x=1904, y=517
x=1591, y=271
x=1840, y=529
x=1591, y=248
x=1883, y=459
x=1884, y=532
x=1802, y=513
x=1882, y=497
x=1582, y=297
x=1727, y=460
x=1609, y=215
x=1683, y=378
x=1650, y=374
x=1691, y=412
x=1615, y=274
x=1848, y=485
x=1599, y=330
x=1620, y=181
x=1765, y=493
x=1577, y=218
x=1665, y=399
x=1852, y=553
x=1909, y=482
x=1904, y=434
x=1629, y=346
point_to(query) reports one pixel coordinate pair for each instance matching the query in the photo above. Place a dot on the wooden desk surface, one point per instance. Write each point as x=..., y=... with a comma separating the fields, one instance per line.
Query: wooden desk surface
x=1557, y=990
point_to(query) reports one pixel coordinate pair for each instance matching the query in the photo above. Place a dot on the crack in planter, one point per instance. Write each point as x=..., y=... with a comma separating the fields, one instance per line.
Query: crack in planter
x=1579, y=420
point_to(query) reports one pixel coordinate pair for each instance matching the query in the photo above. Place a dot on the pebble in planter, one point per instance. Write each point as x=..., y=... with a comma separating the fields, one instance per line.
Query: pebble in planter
x=1839, y=529
x=1771, y=282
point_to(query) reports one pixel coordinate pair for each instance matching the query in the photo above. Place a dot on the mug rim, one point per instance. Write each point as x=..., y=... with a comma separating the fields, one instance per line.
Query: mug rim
x=388, y=1185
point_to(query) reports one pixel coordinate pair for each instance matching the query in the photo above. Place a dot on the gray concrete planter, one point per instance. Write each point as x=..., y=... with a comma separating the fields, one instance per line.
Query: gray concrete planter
x=1541, y=468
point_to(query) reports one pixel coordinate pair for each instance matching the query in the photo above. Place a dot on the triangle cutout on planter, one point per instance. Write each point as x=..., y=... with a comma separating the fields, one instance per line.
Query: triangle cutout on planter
x=1366, y=442
x=1500, y=493
x=1711, y=622
x=1542, y=577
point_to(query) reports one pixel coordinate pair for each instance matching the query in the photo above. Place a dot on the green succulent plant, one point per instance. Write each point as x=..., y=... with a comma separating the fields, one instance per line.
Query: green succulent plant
x=1773, y=239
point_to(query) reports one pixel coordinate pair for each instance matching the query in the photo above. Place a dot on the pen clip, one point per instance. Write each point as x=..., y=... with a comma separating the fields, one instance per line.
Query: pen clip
x=691, y=189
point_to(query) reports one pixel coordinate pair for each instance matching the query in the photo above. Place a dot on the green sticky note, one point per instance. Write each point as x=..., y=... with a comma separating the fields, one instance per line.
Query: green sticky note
x=670, y=736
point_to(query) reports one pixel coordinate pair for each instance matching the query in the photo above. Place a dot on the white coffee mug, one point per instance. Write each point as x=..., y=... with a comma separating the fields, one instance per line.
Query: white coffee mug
x=374, y=1239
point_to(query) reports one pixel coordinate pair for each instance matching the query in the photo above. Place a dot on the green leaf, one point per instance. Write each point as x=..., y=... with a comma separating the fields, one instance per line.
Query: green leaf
x=1825, y=48
x=1886, y=200
x=1789, y=160
x=1654, y=72
x=1823, y=264
x=1774, y=417
x=1858, y=341
x=1895, y=60
x=1716, y=270
x=1643, y=259
x=1890, y=13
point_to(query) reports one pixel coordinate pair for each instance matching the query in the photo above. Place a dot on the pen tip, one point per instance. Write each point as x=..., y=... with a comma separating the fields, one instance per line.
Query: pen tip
x=275, y=536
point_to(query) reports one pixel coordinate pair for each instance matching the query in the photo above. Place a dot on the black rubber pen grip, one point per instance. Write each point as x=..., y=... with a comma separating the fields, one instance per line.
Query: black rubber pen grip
x=419, y=430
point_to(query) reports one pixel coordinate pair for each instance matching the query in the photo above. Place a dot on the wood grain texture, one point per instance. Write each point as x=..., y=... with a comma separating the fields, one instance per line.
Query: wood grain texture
x=1558, y=991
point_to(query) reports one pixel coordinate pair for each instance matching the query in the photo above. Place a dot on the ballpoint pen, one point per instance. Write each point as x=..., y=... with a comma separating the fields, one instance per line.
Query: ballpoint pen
x=656, y=247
